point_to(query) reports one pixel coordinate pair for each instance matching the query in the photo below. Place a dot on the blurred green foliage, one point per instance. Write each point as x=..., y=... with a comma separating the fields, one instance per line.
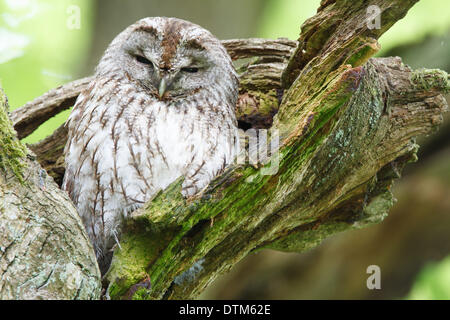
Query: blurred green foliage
x=433, y=282
x=38, y=51
x=283, y=18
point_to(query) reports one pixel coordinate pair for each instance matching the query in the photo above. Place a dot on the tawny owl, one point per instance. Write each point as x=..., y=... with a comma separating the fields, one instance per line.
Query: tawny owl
x=161, y=106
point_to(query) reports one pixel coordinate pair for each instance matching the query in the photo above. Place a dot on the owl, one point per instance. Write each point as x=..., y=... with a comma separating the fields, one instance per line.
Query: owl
x=161, y=106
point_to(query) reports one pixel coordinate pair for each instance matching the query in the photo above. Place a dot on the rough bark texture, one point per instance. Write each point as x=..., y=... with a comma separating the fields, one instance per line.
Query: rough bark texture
x=415, y=233
x=44, y=250
x=334, y=174
x=346, y=126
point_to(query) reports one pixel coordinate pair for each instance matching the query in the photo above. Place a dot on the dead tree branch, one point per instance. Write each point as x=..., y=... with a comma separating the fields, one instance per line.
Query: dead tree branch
x=346, y=124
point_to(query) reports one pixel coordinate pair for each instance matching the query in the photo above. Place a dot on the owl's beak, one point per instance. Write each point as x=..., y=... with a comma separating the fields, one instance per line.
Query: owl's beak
x=162, y=87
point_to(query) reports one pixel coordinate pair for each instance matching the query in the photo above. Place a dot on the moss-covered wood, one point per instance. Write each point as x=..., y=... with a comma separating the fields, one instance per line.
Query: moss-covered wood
x=11, y=150
x=347, y=126
x=335, y=171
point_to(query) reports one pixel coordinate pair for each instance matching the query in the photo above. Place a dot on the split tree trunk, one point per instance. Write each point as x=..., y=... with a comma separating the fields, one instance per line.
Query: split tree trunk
x=347, y=126
x=44, y=250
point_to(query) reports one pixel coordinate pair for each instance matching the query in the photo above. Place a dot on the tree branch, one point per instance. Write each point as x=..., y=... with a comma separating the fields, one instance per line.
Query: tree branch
x=347, y=126
x=347, y=130
x=28, y=118
x=44, y=250
x=342, y=31
x=334, y=174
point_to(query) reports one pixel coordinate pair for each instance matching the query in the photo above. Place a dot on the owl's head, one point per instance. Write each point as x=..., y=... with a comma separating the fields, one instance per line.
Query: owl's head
x=170, y=58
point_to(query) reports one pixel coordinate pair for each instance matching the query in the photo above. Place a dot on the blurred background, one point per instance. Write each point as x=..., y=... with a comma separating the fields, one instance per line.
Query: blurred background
x=43, y=44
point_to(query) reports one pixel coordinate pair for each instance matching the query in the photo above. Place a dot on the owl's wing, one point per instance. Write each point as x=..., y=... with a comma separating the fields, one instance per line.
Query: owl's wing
x=71, y=122
x=205, y=166
x=68, y=183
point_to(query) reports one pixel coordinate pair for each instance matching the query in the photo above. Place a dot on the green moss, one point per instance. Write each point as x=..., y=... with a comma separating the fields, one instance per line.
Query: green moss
x=180, y=232
x=171, y=200
x=141, y=294
x=138, y=249
x=268, y=102
x=431, y=79
x=229, y=212
x=265, y=104
x=364, y=52
x=12, y=151
x=307, y=239
x=376, y=210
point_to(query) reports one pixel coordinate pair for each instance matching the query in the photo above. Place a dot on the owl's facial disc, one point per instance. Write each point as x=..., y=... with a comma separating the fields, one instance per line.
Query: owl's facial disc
x=185, y=75
x=144, y=60
x=171, y=59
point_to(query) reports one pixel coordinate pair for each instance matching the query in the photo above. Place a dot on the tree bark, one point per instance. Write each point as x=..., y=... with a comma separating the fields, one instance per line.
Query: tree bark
x=44, y=250
x=413, y=235
x=346, y=125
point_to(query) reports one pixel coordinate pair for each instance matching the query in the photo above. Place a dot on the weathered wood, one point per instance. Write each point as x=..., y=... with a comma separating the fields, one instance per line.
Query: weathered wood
x=343, y=33
x=28, y=118
x=335, y=172
x=44, y=250
x=279, y=49
x=347, y=126
x=49, y=153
